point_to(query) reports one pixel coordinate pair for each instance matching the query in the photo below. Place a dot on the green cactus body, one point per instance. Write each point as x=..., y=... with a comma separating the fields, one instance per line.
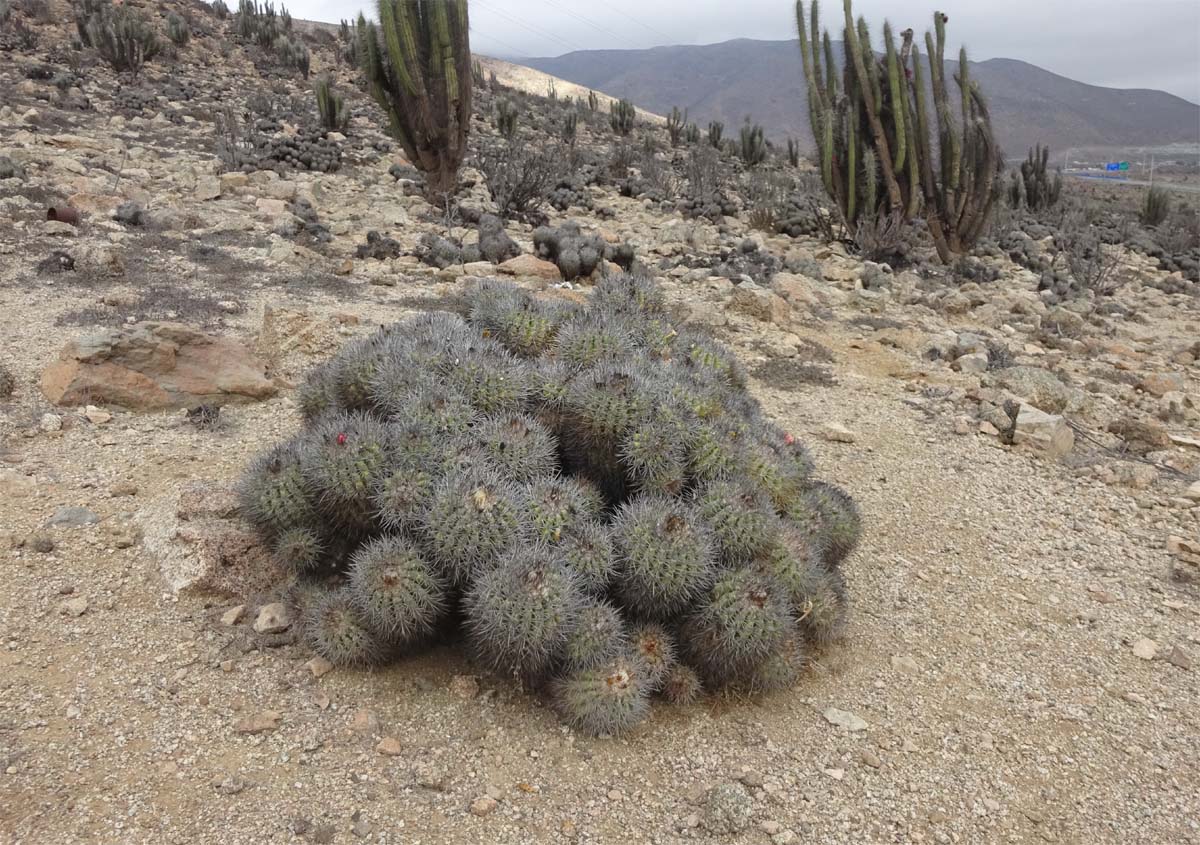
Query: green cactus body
x=664, y=556
x=473, y=519
x=681, y=686
x=336, y=631
x=745, y=619
x=274, y=495
x=608, y=699
x=587, y=550
x=520, y=614
x=396, y=592
x=598, y=636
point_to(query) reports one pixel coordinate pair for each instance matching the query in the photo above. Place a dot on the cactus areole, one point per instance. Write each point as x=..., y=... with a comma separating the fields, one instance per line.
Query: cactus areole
x=418, y=65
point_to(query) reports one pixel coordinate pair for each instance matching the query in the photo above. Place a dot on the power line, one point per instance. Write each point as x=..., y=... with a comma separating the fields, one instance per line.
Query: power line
x=528, y=26
x=581, y=18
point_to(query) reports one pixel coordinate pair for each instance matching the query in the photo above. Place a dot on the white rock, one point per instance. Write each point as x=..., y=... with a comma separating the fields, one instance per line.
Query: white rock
x=273, y=618
x=845, y=719
x=835, y=432
x=1145, y=648
x=51, y=422
x=1048, y=433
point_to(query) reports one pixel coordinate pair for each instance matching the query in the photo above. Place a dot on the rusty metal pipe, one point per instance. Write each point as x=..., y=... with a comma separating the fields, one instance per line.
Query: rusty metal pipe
x=63, y=214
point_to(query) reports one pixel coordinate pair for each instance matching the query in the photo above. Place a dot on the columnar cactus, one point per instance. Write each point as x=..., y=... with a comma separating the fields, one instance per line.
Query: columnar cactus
x=676, y=123
x=1035, y=186
x=621, y=116
x=873, y=134
x=418, y=65
x=585, y=495
x=716, y=131
x=331, y=106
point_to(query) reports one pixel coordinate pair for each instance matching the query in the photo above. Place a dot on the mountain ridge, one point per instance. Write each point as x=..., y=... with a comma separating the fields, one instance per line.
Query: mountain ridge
x=764, y=79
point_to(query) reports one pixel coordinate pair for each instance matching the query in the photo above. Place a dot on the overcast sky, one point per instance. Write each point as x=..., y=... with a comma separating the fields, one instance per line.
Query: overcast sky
x=1150, y=44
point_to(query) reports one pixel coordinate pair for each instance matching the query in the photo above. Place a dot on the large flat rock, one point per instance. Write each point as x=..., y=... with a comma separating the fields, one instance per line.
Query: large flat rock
x=155, y=366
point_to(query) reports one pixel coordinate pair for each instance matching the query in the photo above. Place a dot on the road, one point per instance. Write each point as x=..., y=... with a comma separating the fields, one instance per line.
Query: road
x=1170, y=186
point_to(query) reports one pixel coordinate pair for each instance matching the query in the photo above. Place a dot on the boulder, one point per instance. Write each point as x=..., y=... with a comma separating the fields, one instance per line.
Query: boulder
x=1040, y=388
x=155, y=366
x=760, y=304
x=532, y=267
x=1046, y=433
x=202, y=546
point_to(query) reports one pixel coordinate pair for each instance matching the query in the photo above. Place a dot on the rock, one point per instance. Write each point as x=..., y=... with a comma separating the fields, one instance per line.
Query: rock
x=1040, y=388
x=233, y=615
x=57, y=228
x=1141, y=436
x=72, y=517
x=98, y=259
x=727, y=810
x=1179, y=658
x=31, y=117
x=319, y=667
x=364, y=721
x=1193, y=492
x=906, y=665
x=844, y=719
x=96, y=416
x=273, y=618
x=484, y=805
x=40, y=543
x=760, y=304
x=1160, y=384
x=389, y=746
x=465, y=687
x=271, y=208
x=1145, y=648
x=972, y=362
x=154, y=366
x=835, y=432
x=75, y=607
x=531, y=266
x=208, y=188
x=50, y=423
x=1047, y=433
x=194, y=532
x=261, y=722
x=797, y=289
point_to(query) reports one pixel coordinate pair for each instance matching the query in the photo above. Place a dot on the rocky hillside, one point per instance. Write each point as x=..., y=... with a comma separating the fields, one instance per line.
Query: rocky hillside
x=1022, y=435
x=764, y=79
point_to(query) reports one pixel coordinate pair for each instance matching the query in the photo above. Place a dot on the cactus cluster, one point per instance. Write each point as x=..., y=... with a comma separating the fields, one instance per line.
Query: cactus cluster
x=123, y=36
x=1032, y=185
x=585, y=495
x=331, y=106
x=621, y=116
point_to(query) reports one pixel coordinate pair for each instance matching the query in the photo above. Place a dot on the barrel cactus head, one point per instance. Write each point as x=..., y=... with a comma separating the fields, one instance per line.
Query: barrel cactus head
x=607, y=699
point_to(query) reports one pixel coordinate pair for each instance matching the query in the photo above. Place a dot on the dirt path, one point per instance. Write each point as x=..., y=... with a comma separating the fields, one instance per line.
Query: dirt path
x=996, y=601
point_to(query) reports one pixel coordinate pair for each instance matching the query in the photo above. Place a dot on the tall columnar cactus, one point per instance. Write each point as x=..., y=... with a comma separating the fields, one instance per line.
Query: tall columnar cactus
x=676, y=123
x=331, y=105
x=418, y=64
x=716, y=129
x=752, y=145
x=123, y=37
x=593, y=101
x=621, y=116
x=1040, y=189
x=873, y=133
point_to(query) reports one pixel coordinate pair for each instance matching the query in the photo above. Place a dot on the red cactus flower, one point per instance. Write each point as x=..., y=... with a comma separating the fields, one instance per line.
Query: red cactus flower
x=788, y=439
x=341, y=438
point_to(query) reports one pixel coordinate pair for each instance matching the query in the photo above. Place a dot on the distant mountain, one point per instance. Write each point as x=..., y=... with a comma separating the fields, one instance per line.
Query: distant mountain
x=764, y=79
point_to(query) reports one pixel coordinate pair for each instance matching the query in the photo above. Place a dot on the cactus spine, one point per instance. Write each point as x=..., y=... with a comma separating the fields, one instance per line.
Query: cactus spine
x=418, y=64
x=874, y=137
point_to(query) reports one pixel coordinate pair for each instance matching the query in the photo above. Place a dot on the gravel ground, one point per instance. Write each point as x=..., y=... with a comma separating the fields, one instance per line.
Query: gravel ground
x=990, y=672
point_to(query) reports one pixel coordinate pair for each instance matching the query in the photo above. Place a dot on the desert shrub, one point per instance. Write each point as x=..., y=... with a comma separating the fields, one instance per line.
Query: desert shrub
x=589, y=494
x=519, y=175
